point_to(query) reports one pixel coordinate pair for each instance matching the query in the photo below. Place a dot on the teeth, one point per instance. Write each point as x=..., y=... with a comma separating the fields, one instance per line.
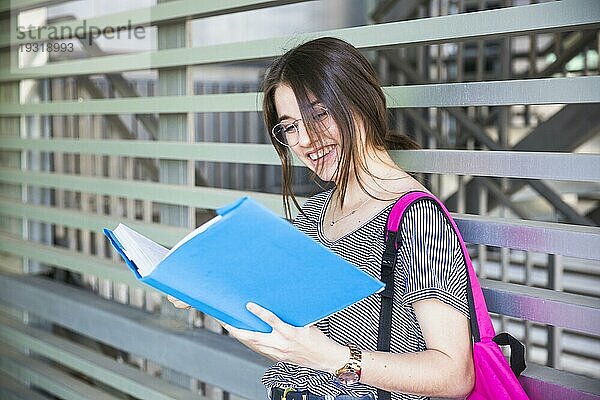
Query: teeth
x=322, y=152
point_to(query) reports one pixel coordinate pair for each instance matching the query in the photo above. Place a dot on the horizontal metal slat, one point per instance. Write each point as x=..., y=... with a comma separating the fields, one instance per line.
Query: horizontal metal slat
x=245, y=153
x=52, y=380
x=496, y=93
x=123, y=326
x=21, y=5
x=201, y=197
x=70, y=260
x=509, y=164
x=544, y=383
x=503, y=164
x=105, y=369
x=571, y=311
x=165, y=12
x=583, y=89
x=544, y=237
x=233, y=102
x=551, y=16
x=11, y=389
x=162, y=234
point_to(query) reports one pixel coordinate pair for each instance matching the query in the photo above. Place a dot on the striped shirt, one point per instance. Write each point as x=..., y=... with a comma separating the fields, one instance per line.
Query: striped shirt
x=429, y=265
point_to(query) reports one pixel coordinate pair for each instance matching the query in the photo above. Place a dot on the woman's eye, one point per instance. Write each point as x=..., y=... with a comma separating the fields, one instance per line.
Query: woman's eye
x=320, y=115
x=289, y=129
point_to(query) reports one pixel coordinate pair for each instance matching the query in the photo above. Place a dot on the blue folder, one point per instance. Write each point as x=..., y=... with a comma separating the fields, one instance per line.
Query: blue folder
x=253, y=255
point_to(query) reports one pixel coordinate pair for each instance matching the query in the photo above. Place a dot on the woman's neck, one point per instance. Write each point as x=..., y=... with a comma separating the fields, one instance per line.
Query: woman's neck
x=383, y=179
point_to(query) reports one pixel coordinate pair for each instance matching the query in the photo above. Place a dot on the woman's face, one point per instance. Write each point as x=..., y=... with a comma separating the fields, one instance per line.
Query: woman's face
x=321, y=156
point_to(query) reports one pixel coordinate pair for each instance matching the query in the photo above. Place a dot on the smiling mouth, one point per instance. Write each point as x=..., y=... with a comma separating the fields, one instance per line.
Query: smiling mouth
x=322, y=152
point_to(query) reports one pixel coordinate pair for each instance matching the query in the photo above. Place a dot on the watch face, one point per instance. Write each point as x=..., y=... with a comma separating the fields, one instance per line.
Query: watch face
x=348, y=377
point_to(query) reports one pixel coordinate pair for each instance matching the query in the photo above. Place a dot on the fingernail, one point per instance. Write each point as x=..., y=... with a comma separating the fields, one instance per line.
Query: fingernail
x=250, y=306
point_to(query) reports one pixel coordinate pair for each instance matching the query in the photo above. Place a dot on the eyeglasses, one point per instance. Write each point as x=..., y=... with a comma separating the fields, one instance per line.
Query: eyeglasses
x=287, y=133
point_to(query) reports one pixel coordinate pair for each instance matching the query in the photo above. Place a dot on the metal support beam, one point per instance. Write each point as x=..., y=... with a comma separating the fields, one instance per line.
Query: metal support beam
x=478, y=133
x=174, y=127
x=580, y=42
x=564, y=131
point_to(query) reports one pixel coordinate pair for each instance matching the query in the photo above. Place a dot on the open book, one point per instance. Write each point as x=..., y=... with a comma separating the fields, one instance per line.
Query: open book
x=245, y=254
x=147, y=254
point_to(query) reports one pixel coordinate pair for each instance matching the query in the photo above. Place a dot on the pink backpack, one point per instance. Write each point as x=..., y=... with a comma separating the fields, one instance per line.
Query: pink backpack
x=494, y=378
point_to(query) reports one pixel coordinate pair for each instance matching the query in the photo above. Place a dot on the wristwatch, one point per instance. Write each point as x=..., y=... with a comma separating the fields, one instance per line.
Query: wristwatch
x=350, y=373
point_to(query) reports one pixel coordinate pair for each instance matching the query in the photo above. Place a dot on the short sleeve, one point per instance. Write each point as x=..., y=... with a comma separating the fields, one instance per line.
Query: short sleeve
x=432, y=263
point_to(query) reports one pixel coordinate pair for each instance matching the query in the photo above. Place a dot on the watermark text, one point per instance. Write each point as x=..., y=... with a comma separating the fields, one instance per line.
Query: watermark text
x=83, y=32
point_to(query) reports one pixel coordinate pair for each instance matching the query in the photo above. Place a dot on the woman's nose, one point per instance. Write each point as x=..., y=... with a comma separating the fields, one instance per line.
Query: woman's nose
x=304, y=139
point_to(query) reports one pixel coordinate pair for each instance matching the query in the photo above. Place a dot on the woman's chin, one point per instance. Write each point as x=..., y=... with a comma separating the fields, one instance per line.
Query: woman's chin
x=326, y=176
x=327, y=171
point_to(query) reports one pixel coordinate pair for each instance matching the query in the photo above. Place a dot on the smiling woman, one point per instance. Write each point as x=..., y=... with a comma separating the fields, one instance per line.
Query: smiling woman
x=323, y=103
x=329, y=75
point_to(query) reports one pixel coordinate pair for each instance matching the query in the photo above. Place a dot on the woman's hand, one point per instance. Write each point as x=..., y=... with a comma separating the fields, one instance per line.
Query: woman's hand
x=178, y=303
x=307, y=346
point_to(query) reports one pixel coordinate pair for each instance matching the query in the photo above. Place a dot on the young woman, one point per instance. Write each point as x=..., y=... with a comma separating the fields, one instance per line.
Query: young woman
x=323, y=103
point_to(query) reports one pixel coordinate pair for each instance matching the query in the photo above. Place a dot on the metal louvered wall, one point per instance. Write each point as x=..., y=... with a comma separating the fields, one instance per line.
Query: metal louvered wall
x=86, y=144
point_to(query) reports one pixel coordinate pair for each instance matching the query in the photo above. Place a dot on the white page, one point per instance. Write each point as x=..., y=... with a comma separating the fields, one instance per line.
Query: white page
x=145, y=253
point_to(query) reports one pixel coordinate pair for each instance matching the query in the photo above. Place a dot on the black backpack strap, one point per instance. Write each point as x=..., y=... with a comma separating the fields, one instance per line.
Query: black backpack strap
x=388, y=263
x=387, y=295
x=517, y=351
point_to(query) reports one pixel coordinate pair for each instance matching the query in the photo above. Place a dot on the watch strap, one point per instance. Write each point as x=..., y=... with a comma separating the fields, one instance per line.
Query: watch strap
x=354, y=363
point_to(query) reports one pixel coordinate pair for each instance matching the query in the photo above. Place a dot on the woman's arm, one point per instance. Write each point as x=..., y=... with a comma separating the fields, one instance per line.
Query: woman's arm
x=445, y=369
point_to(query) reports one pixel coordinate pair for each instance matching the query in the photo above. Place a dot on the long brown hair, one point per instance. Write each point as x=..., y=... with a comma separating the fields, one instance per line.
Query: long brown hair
x=342, y=79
